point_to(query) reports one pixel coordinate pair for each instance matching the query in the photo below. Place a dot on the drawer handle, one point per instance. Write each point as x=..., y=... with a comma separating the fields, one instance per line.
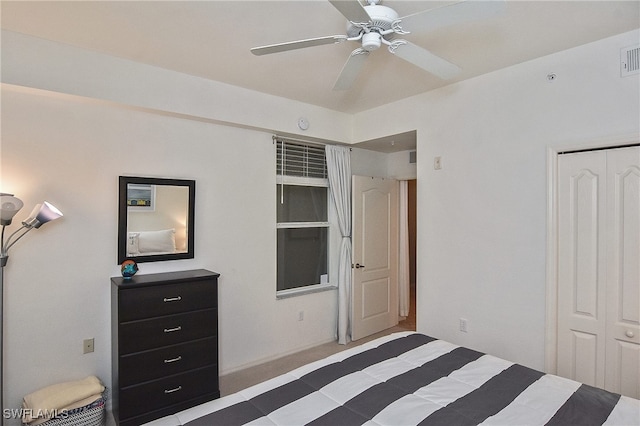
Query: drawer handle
x=173, y=390
x=171, y=330
x=172, y=299
x=168, y=361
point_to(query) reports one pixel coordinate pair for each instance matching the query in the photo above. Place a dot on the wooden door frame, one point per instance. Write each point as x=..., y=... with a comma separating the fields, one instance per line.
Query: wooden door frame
x=551, y=306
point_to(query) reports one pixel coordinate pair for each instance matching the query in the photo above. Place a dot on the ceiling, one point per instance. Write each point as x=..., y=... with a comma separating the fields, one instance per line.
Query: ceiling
x=211, y=39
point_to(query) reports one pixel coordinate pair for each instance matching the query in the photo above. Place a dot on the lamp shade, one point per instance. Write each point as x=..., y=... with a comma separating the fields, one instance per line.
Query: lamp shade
x=9, y=206
x=41, y=214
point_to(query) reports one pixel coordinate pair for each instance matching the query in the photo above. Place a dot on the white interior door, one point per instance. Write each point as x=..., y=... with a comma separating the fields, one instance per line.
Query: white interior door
x=375, y=255
x=598, y=269
x=622, y=371
x=581, y=267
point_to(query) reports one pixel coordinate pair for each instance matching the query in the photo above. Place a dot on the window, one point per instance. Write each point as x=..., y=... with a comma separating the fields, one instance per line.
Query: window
x=302, y=217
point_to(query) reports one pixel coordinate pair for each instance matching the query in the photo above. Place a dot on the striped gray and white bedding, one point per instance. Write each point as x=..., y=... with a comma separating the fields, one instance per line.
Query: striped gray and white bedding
x=409, y=379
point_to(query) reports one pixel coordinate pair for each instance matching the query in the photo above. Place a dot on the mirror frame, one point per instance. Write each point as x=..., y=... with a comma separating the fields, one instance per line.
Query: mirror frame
x=124, y=181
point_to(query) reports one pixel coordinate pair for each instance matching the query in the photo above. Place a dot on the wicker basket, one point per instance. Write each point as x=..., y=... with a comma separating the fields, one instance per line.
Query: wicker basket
x=93, y=414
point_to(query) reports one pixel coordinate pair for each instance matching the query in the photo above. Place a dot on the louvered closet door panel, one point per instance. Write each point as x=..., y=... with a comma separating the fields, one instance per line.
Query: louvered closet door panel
x=581, y=267
x=623, y=272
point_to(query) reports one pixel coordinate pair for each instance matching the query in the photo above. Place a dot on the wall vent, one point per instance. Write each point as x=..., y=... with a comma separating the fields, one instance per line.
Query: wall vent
x=630, y=61
x=412, y=157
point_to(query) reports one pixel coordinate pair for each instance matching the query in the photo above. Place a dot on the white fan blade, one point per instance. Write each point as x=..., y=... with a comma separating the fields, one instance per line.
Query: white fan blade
x=424, y=59
x=352, y=10
x=351, y=69
x=292, y=45
x=463, y=11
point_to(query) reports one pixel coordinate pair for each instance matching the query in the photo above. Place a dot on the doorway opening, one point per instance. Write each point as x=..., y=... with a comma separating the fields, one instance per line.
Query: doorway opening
x=409, y=322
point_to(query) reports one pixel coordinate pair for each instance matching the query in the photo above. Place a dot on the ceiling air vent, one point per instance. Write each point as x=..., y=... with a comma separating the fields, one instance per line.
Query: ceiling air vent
x=630, y=61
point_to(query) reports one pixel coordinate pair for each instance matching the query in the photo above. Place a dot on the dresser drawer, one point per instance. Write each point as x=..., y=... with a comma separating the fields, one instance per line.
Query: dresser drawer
x=149, y=365
x=136, y=336
x=153, y=301
x=136, y=400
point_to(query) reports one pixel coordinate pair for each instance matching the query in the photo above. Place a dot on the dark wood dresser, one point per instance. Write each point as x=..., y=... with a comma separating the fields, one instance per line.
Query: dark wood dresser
x=164, y=344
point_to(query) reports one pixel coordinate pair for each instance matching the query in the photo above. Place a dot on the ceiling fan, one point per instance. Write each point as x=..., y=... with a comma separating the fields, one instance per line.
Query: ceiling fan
x=374, y=25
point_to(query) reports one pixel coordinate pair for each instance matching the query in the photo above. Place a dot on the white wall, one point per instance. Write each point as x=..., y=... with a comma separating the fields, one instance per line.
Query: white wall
x=57, y=279
x=69, y=129
x=399, y=167
x=482, y=218
x=37, y=63
x=368, y=163
x=371, y=163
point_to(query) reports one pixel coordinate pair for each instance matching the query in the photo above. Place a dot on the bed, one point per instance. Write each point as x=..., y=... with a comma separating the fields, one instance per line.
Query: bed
x=409, y=378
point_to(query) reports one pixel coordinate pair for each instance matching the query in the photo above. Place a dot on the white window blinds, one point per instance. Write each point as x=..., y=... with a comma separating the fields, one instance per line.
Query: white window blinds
x=300, y=159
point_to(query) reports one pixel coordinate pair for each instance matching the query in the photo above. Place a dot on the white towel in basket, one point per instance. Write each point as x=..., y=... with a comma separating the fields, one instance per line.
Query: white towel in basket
x=44, y=403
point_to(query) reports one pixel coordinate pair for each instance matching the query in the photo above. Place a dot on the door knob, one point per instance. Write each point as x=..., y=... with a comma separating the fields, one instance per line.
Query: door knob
x=629, y=334
x=358, y=266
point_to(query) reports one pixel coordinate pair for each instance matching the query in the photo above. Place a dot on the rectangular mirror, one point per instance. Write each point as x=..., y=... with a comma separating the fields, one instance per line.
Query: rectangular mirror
x=155, y=219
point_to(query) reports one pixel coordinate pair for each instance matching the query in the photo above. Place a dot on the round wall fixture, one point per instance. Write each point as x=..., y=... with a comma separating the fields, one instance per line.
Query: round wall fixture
x=303, y=123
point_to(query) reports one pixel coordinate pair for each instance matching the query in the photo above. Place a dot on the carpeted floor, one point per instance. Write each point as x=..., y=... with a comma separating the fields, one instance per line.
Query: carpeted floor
x=239, y=380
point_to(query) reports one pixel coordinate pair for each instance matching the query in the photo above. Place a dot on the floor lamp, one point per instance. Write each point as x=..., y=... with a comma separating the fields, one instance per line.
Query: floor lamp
x=41, y=214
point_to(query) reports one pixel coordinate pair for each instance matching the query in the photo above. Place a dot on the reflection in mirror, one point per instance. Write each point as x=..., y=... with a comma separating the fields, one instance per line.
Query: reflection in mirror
x=156, y=219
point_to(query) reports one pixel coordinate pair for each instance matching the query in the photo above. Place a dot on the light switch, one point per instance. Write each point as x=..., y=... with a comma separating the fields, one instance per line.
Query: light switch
x=437, y=163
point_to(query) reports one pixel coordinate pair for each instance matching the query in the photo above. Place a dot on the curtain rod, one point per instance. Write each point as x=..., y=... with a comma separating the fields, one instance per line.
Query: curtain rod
x=286, y=139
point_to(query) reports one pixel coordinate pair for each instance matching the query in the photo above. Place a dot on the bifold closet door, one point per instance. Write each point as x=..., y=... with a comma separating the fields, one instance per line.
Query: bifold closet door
x=622, y=370
x=581, y=267
x=599, y=268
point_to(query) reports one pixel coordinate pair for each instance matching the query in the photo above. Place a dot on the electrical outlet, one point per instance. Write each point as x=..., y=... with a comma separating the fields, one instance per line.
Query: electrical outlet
x=301, y=316
x=463, y=325
x=87, y=346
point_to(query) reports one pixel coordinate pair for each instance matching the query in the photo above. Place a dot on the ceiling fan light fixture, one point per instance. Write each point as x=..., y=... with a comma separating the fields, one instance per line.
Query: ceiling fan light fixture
x=371, y=41
x=373, y=25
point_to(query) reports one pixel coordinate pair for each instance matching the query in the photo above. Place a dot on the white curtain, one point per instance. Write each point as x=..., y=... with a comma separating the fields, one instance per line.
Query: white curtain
x=339, y=171
x=403, y=261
